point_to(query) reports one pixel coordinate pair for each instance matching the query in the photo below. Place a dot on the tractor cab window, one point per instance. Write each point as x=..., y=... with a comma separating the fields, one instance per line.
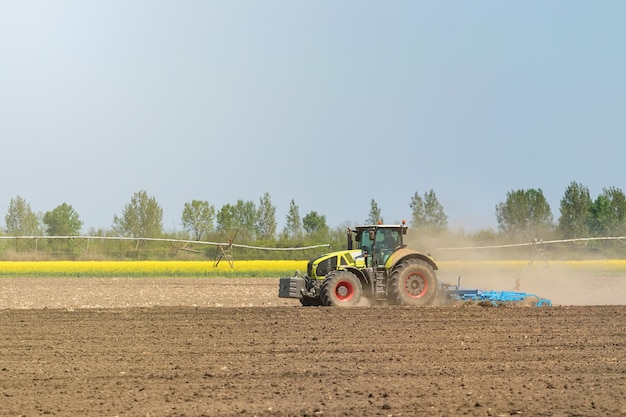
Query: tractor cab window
x=387, y=239
x=365, y=242
x=386, y=242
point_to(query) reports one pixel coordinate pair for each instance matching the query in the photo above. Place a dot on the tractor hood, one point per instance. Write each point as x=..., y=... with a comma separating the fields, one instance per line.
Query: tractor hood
x=319, y=267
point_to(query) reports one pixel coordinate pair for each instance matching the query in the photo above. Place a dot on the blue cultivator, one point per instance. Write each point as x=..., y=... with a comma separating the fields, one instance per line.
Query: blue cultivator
x=454, y=293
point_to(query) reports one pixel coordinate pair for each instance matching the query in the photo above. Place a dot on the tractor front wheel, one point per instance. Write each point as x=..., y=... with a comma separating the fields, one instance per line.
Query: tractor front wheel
x=413, y=283
x=341, y=289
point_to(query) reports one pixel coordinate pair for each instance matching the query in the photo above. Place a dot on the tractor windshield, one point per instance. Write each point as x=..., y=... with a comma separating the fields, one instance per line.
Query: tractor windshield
x=387, y=239
x=384, y=243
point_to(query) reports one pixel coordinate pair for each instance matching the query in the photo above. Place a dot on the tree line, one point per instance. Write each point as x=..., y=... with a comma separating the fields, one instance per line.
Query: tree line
x=142, y=217
x=527, y=214
x=524, y=214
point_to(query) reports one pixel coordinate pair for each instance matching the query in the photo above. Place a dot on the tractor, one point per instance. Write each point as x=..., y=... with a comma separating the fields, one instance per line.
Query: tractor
x=380, y=270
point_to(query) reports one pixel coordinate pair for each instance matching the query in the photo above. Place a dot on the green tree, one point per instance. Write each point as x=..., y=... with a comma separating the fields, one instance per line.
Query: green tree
x=266, y=218
x=436, y=218
x=293, y=224
x=314, y=223
x=247, y=215
x=418, y=215
x=62, y=221
x=525, y=213
x=20, y=219
x=142, y=217
x=609, y=213
x=601, y=216
x=241, y=216
x=226, y=218
x=575, y=212
x=618, y=203
x=198, y=218
x=427, y=212
x=374, y=215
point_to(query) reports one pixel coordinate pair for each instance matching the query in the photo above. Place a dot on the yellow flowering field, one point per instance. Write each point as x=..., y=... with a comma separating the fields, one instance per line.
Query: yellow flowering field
x=265, y=268
x=150, y=268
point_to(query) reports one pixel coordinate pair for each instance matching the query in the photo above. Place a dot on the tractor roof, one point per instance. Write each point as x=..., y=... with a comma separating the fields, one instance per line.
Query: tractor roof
x=382, y=226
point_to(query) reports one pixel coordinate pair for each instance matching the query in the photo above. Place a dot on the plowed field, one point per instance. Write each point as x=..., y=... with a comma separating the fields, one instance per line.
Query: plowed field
x=209, y=347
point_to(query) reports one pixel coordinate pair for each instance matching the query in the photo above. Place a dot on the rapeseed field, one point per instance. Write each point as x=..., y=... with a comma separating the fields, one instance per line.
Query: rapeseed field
x=262, y=269
x=150, y=268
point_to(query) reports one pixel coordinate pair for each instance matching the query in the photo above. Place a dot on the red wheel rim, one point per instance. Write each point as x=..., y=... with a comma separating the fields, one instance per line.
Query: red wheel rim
x=344, y=290
x=415, y=285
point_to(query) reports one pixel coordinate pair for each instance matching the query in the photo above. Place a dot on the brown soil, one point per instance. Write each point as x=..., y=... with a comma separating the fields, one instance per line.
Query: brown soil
x=214, y=347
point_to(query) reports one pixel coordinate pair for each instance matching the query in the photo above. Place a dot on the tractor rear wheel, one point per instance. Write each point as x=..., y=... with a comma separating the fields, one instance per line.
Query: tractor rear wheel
x=341, y=289
x=413, y=283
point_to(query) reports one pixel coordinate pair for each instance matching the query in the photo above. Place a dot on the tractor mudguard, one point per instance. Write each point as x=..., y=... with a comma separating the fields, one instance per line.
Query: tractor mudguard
x=403, y=253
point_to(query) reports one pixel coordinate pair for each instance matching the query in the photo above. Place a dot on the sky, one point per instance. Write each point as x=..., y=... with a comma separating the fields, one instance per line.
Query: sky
x=327, y=103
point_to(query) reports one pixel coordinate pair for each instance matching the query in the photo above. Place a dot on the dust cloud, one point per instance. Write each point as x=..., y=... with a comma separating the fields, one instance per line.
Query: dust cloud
x=536, y=275
x=559, y=286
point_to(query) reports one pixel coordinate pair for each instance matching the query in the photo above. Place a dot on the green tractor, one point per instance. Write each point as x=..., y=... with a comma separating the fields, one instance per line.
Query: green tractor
x=380, y=270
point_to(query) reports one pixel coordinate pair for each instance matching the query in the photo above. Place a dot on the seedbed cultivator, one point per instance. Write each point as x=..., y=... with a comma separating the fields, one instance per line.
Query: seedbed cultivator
x=452, y=294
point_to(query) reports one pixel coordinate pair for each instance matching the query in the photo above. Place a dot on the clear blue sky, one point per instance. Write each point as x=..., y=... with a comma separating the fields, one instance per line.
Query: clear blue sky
x=329, y=103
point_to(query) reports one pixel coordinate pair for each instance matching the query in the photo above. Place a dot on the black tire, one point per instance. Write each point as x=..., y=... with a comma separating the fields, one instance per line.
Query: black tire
x=341, y=289
x=310, y=301
x=413, y=283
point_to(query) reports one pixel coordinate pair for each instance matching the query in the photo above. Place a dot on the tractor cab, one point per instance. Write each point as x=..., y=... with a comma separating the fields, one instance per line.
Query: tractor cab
x=378, y=242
